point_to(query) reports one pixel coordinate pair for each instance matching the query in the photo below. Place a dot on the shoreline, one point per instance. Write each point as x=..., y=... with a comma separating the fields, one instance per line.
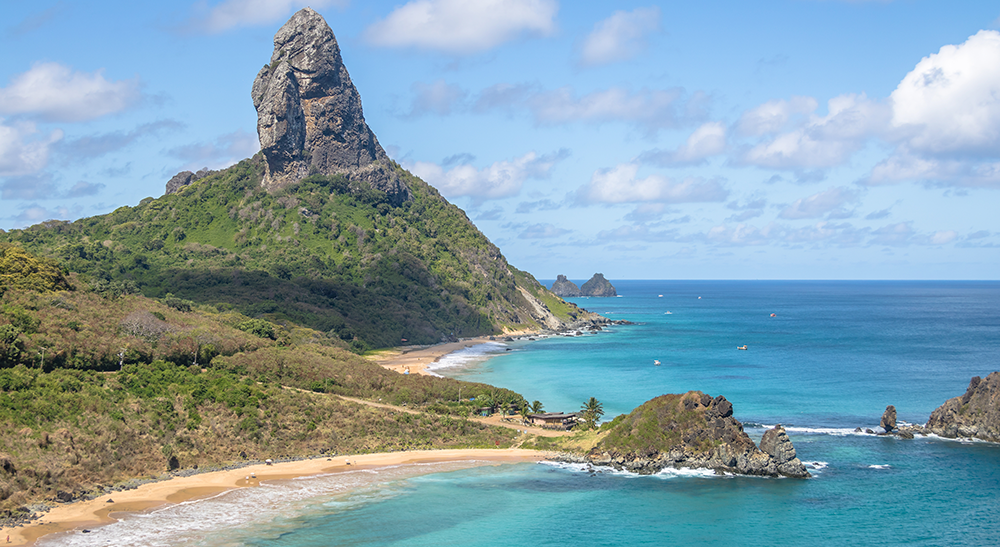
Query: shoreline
x=416, y=359
x=99, y=511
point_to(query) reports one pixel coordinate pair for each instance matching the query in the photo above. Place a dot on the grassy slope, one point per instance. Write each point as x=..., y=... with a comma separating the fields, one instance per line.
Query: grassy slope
x=319, y=254
x=66, y=424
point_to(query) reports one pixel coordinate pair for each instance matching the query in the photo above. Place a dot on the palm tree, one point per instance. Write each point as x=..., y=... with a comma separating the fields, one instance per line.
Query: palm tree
x=592, y=410
x=536, y=407
x=524, y=411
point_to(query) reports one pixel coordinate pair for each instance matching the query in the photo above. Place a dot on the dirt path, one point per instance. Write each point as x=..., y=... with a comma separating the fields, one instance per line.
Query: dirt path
x=510, y=423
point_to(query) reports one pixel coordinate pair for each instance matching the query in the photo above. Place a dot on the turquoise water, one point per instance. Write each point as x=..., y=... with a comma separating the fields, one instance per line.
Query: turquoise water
x=832, y=358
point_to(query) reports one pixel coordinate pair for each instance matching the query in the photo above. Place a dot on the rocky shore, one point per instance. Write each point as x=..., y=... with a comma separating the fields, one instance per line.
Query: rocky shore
x=691, y=430
x=972, y=415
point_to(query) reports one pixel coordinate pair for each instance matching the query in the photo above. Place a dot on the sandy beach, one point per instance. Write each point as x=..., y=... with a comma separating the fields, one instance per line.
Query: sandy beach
x=417, y=359
x=102, y=510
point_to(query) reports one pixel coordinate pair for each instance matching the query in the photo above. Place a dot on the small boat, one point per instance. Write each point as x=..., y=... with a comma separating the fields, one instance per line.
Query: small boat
x=744, y=346
x=660, y=296
x=774, y=315
x=656, y=362
x=668, y=313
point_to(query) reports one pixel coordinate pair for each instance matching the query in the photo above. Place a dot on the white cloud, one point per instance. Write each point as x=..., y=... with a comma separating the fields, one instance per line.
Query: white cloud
x=438, y=97
x=949, y=104
x=462, y=27
x=773, y=116
x=942, y=237
x=243, y=13
x=54, y=92
x=619, y=37
x=904, y=166
x=21, y=152
x=542, y=231
x=500, y=180
x=620, y=185
x=821, y=141
x=650, y=108
x=706, y=141
x=831, y=201
x=224, y=151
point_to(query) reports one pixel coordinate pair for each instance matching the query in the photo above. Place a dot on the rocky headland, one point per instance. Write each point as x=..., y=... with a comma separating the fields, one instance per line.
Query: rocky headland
x=974, y=414
x=691, y=430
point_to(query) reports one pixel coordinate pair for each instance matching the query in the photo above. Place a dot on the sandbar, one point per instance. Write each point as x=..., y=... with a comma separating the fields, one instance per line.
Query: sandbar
x=102, y=510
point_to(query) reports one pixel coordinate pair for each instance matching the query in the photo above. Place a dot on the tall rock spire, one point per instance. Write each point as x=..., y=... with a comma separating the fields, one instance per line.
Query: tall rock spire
x=309, y=116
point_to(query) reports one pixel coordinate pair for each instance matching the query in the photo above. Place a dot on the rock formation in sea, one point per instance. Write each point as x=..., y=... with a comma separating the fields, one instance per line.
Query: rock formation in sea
x=692, y=430
x=309, y=116
x=598, y=286
x=975, y=414
x=888, y=422
x=564, y=288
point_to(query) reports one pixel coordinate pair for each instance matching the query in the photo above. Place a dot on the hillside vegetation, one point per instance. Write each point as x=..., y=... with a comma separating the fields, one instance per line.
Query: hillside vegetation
x=98, y=386
x=320, y=253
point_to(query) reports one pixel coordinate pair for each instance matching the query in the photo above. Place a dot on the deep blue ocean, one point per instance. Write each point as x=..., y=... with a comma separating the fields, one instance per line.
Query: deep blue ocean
x=830, y=359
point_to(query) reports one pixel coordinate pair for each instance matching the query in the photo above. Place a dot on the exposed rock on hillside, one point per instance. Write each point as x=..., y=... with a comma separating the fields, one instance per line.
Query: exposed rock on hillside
x=309, y=116
x=693, y=430
x=976, y=414
x=185, y=178
x=598, y=286
x=565, y=288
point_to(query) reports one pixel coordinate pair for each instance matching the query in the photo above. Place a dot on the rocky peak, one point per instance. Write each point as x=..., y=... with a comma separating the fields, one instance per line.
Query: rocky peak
x=185, y=178
x=564, y=287
x=309, y=116
x=598, y=286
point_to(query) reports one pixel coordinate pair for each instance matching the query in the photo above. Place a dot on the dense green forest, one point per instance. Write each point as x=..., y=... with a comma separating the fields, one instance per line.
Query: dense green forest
x=334, y=256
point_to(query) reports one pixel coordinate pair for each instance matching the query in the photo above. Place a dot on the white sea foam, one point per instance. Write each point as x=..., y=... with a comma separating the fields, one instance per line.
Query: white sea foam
x=665, y=473
x=467, y=356
x=816, y=466
x=213, y=520
x=673, y=472
x=835, y=431
x=876, y=466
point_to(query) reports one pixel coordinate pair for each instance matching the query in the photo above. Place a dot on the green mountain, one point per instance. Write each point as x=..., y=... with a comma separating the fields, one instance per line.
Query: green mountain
x=320, y=229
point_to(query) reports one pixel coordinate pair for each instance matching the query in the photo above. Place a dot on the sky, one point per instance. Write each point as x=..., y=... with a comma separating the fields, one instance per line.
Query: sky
x=796, y=139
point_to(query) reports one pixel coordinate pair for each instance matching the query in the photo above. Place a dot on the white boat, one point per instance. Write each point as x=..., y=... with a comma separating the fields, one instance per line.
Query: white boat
x=656, y=362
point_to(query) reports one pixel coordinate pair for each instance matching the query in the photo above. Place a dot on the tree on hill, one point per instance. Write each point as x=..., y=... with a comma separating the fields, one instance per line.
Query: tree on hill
x=22, y=270
x=591, y=411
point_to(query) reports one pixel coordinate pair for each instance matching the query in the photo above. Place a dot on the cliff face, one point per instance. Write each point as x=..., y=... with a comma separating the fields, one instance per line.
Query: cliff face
x=309, y=116
x=693, y=430
x=565, y=288
x=598, y=286
x=975, y=414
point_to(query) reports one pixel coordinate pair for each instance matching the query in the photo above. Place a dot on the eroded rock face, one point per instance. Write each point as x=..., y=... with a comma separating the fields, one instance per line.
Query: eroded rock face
x=309, y=116
x=975, y=414
x=888, y=422
x=185, y=178
x=693, y=430
x=565, y=288
x=598, y=286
